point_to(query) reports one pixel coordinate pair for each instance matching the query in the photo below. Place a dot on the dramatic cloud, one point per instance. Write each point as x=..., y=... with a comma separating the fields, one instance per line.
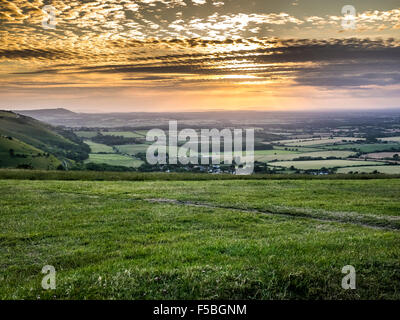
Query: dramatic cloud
x=209, y=47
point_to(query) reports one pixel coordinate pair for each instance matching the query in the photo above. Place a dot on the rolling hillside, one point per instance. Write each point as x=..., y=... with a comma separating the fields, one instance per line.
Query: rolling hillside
x=29, y=143
x=17, y=154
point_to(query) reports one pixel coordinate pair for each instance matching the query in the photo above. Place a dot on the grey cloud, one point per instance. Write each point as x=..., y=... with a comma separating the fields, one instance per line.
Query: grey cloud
x=33, y=53
x=335, y=63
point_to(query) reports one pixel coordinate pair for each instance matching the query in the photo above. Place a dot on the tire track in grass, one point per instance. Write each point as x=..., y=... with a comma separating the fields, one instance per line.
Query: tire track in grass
x=384, y=224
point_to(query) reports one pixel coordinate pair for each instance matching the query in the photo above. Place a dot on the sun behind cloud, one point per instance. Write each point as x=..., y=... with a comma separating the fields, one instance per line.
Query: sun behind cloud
x=142, y=55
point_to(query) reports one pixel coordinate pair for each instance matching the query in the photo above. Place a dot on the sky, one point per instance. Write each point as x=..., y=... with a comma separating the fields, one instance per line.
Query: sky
x=199, y=55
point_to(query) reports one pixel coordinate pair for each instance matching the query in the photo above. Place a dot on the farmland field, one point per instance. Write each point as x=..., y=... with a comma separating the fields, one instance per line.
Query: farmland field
x=132, y=149
x=293, y=155
x=380, y=155
x=86, y=134
x=368, y=169
x=318, y=164
x=368, y=148
x=238, y=239
x=390, y=139
x=114, y=160
x=315, y=141
x=274, y=152
x=98, y=147
x=297, y=149
x=125, y=134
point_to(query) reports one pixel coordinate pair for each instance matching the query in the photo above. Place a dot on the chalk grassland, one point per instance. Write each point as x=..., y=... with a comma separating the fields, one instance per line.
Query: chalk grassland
x=316, y=141
x=109, y=240
x=33, y=132
x=369, y=169
x=114, y=160
x=24, y=154
x=318, y=164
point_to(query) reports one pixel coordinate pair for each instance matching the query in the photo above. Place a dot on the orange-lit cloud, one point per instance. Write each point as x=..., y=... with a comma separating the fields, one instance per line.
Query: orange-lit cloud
x=210, y=54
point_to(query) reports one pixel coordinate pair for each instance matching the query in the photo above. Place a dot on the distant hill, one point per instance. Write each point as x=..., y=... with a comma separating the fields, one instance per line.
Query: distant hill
x=206, y=119
x=27, y=142
x=59, y=112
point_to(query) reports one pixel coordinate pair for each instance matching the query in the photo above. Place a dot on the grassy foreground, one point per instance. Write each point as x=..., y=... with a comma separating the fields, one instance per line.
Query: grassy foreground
x=162, y=176
x=228, y=239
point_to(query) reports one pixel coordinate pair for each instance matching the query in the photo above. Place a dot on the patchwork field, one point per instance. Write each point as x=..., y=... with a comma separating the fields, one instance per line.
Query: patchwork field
x=369, y=169
x=238, y=239
x=318, y=164
x=381, y=155
x=394, y=139
x=114, y=160
x=297, y=149
x=316, y=141
x=132, y=149
x=125, y=134
x=332, y=152
x=367, y=148
x=294, y=155
x=274, y=152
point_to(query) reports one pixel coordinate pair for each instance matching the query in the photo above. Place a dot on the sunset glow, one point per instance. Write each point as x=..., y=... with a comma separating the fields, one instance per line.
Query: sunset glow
x=186, y=55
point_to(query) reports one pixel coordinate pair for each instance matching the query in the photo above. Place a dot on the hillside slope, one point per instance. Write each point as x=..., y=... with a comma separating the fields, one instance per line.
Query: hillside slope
x=17, y=154
x=26, y=141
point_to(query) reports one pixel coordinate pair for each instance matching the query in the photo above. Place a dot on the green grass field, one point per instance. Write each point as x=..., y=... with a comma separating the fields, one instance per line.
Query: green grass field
x=98, y=147
x=237, y=239
x=125, y=134
x=86, y=134
x=390, y=139
x=33, y=132
x=35, y=135
x=367, y=148
x=274, y=152
x=132, y=149
x=292, y=155
x=315, y=141
x=114, y=160
x=318, y=164
x=297, y=149
x=380, y=155
x=368, y=169
x=24, y=154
